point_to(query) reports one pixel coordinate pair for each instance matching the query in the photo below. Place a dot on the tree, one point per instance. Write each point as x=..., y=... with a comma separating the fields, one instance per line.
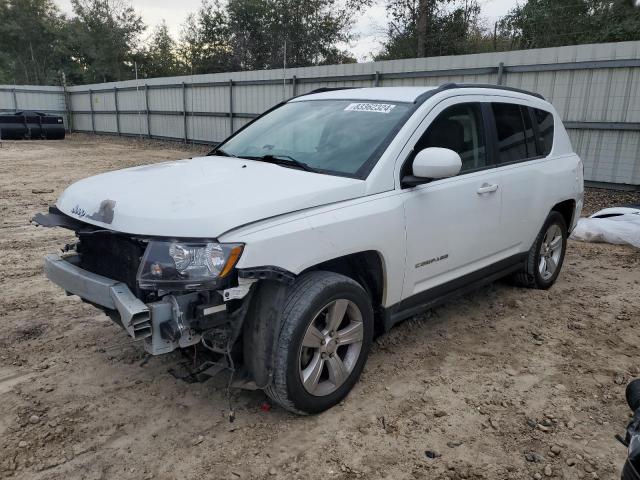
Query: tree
x=254, y=34
x=550, y=23
x=214, y=38
x=190, y=45
x=30, y=46
x=159, y=59
x=419, y=28
x=424, y=25
x=103, y=38
x=616, y=21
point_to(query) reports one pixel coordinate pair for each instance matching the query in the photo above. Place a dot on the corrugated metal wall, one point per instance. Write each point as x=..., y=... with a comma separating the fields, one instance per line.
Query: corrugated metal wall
x=596, y=89
x=42, y=99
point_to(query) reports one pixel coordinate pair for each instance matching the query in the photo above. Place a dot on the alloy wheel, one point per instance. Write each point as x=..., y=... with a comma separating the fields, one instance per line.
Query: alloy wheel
x=550, y=252
x=331, y=347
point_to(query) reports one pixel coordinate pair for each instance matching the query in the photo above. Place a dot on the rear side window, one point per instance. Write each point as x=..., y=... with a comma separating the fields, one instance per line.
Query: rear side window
x=544, y=120
x=512, y=145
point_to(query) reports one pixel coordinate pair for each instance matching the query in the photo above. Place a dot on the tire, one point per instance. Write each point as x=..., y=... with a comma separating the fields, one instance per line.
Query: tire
x=633, y=394
x=629, y=472
x=533, y=274
x=313, y=301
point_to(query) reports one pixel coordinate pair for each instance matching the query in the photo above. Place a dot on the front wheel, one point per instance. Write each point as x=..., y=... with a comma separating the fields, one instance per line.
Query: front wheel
x=546, y=256
x=325, y=336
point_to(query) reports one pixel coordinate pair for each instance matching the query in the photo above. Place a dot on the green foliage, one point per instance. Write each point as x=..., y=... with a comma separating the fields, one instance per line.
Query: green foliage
x=204, y=40
x=103, y=38
x=251, y=34
x=448, y=27
x=31, y=50
x=550, y=23
x=419, y=28
x=159, y=58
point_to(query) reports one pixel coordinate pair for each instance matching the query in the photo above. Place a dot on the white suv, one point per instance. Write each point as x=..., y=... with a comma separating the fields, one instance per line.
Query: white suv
x=332, y=216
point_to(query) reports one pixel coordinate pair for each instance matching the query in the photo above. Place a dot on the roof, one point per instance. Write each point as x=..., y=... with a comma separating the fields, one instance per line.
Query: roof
x=386, y=94
x=400, y=94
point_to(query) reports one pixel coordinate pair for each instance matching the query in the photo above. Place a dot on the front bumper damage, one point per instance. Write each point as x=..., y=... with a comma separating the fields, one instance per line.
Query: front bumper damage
x=102, y=291
x=174, y=321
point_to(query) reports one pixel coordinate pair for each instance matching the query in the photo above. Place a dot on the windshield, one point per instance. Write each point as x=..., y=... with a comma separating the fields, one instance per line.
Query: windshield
x=331, y=136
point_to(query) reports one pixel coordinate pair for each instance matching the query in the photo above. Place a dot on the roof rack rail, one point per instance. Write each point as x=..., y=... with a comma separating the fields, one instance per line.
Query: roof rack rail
x=489, y=85
x=326, y=89
x=430, y=93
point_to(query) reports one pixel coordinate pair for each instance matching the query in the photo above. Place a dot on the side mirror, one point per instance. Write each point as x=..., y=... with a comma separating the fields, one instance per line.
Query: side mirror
x=433, y=163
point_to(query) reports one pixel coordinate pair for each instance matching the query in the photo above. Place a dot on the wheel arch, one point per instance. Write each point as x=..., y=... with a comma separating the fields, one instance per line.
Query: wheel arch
x=262, y=323
x=567, y=209
x=366, y=268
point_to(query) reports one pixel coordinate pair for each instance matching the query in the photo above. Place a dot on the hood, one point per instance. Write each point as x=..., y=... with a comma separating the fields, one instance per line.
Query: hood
x=199, y=198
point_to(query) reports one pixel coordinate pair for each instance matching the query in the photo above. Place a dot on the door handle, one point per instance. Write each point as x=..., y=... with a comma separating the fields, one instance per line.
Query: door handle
x=486, y=188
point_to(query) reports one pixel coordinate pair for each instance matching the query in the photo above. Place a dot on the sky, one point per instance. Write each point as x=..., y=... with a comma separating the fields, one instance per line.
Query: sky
x=369, y=26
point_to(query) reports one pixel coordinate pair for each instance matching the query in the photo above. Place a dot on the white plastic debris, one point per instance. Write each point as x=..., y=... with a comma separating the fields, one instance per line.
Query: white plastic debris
x=618, y=225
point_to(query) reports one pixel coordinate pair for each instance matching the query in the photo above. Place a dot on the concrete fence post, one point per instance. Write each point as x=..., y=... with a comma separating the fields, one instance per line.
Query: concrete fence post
x=15, y=99
x=376, y=80
x=294, y=86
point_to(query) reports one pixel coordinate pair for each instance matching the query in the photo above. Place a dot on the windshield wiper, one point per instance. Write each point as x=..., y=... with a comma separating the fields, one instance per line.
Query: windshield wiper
x=220, y=152
x=284, y=160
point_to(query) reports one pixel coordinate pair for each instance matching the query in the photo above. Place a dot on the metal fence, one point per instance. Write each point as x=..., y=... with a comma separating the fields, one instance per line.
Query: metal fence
x=595, y=88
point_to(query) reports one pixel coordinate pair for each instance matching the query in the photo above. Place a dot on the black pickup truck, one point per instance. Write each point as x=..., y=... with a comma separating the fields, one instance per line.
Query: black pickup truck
x=31, y=125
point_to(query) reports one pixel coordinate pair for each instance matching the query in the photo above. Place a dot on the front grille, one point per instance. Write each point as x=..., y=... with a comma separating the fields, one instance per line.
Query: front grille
x=112, y=256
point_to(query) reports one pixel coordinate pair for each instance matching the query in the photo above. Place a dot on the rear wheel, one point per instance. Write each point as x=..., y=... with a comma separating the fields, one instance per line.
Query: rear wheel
x=546, y=255
x=325, y=336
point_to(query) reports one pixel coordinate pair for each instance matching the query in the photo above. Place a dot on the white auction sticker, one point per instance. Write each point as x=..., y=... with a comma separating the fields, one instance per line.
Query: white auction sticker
x=369, y=107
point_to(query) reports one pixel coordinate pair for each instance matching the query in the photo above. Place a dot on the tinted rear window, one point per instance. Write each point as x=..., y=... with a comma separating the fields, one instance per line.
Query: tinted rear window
x=545, y=130
x=510, y=129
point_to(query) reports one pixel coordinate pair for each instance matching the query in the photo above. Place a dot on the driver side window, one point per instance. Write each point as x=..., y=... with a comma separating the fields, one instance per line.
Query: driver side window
x=458, y=128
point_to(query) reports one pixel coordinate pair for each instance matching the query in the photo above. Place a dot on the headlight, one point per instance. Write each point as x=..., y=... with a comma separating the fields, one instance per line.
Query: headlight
x=186, y=265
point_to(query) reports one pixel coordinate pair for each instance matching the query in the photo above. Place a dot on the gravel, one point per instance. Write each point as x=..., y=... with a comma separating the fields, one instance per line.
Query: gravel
x=598, y=198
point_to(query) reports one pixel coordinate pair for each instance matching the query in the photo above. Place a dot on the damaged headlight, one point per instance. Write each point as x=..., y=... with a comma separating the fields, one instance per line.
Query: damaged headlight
x=186, y=265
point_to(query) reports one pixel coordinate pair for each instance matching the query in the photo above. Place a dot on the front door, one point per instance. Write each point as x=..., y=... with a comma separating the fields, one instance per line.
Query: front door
x=452, y=224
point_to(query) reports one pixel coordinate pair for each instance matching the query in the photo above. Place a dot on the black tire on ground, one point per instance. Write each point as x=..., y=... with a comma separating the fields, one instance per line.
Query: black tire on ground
x=629, y=472
x=633, y=394
x=530, y=276
x=309, y=296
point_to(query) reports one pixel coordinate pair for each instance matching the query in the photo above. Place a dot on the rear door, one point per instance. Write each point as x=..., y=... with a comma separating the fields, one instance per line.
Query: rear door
x=452, y=224
x=524, y=138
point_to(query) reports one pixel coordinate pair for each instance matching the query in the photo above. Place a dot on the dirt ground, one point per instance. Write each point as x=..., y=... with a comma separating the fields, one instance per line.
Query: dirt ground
x=504, y=383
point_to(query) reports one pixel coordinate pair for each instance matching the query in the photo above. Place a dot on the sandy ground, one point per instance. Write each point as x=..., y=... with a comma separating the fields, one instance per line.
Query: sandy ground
x=504, y=383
